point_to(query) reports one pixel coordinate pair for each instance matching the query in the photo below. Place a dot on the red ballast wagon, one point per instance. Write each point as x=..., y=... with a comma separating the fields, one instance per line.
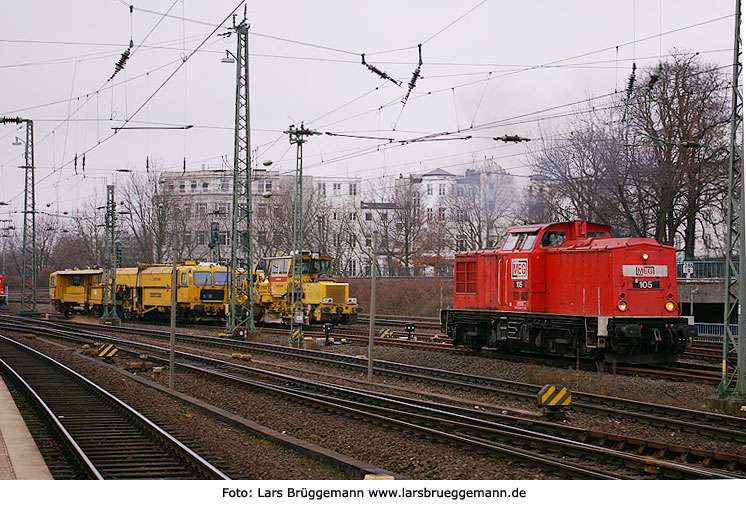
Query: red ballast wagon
x=569, y=288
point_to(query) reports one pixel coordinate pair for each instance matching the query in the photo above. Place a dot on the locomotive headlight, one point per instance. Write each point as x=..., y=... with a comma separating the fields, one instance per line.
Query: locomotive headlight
x=352, y=301
x=327, y=300
x=622, y=306
x=645, y=256
x=670, y=306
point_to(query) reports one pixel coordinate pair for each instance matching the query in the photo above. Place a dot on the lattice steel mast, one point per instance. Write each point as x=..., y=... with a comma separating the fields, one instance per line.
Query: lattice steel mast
x=735, y=279
x=109, y=314
x=297, y=137
x=28, y=260
x=241, y=287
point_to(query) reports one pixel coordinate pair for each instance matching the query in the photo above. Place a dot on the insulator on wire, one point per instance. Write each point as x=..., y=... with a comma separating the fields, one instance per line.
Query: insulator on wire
x=511, y=139
x=380, y=73
x=75, y=163
x=654, y=78
x=83, y=163
x=415, y=76
x=631, y=80
x=122, y=61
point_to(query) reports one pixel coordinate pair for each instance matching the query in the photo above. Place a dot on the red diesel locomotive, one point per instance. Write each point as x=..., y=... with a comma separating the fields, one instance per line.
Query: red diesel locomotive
x=569, y=289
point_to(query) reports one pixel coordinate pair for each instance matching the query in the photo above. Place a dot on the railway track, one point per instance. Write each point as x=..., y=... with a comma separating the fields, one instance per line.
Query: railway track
x=99, y=436
x=712, y=425
x=568, y=453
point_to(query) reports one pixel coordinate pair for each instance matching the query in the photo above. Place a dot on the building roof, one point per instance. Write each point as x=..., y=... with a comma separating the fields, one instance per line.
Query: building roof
x=438, y=172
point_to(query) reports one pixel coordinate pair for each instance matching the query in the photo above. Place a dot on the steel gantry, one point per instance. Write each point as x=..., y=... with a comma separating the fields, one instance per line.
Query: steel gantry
x=28, y=258
x=241, y=313
x=735, y=278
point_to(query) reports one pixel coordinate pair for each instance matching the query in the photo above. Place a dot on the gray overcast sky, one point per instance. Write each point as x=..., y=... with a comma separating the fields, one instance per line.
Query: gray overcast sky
x=478, y=68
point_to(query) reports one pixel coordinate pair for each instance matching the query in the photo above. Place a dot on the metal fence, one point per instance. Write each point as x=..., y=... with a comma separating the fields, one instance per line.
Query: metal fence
x=714, y=329
x=701, y=270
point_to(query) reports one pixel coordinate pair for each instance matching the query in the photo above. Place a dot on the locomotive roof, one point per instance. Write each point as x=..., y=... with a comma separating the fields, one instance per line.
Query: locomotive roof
x=563, y=224
x=79, y=272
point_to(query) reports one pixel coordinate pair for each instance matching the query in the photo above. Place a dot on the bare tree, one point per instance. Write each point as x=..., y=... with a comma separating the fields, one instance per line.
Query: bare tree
x=478, y=207
x=651, y=164
x=151, y=212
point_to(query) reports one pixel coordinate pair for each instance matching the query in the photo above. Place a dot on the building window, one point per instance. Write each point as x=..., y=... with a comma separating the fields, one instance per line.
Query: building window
x=353, y=268
x=441, y=213
x=368, y=241
x=187, y=237
x=205, y=185
x=334, y=215
x=384, y=216
x=429, y=190
x=261, y=210
x=441, y=189
x=187, y=211
x=182, y=187
x=193, y=186
x=368, y=216
x=353, y=189
x=201, y=210
x=321, y=189
x=352, y=216
x=200, y=237
x=336, y=189
x=429, y=213
x=224, y=184
x=267, y=186
x=171, y=186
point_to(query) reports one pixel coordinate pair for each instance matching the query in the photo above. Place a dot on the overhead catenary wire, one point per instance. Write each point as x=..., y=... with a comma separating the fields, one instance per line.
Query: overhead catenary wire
x=149, y=98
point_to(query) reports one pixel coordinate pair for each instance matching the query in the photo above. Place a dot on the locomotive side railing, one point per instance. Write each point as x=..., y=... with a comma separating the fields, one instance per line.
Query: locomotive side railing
x=714, y=329
x=701, y=270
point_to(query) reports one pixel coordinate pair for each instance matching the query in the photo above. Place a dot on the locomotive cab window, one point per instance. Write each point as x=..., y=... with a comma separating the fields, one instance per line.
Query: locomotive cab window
x=221, y=278
x=301, y=266
x=599, y=235
x=520, y=241
x=202, y=278
x=322, y=267
x=76, y=280
x=183, y=279
x=526, y=241
x=51, y=280
x=280, y=266
x=552, y=239
x=511, y=241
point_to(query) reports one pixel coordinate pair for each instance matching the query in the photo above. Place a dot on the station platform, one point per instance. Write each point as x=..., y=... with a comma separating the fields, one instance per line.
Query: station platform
x=19, y=457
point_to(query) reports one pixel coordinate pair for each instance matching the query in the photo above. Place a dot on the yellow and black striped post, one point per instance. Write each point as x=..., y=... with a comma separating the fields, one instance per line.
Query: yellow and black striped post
x=107, y=351
x=553, y=398
x=387, y=333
